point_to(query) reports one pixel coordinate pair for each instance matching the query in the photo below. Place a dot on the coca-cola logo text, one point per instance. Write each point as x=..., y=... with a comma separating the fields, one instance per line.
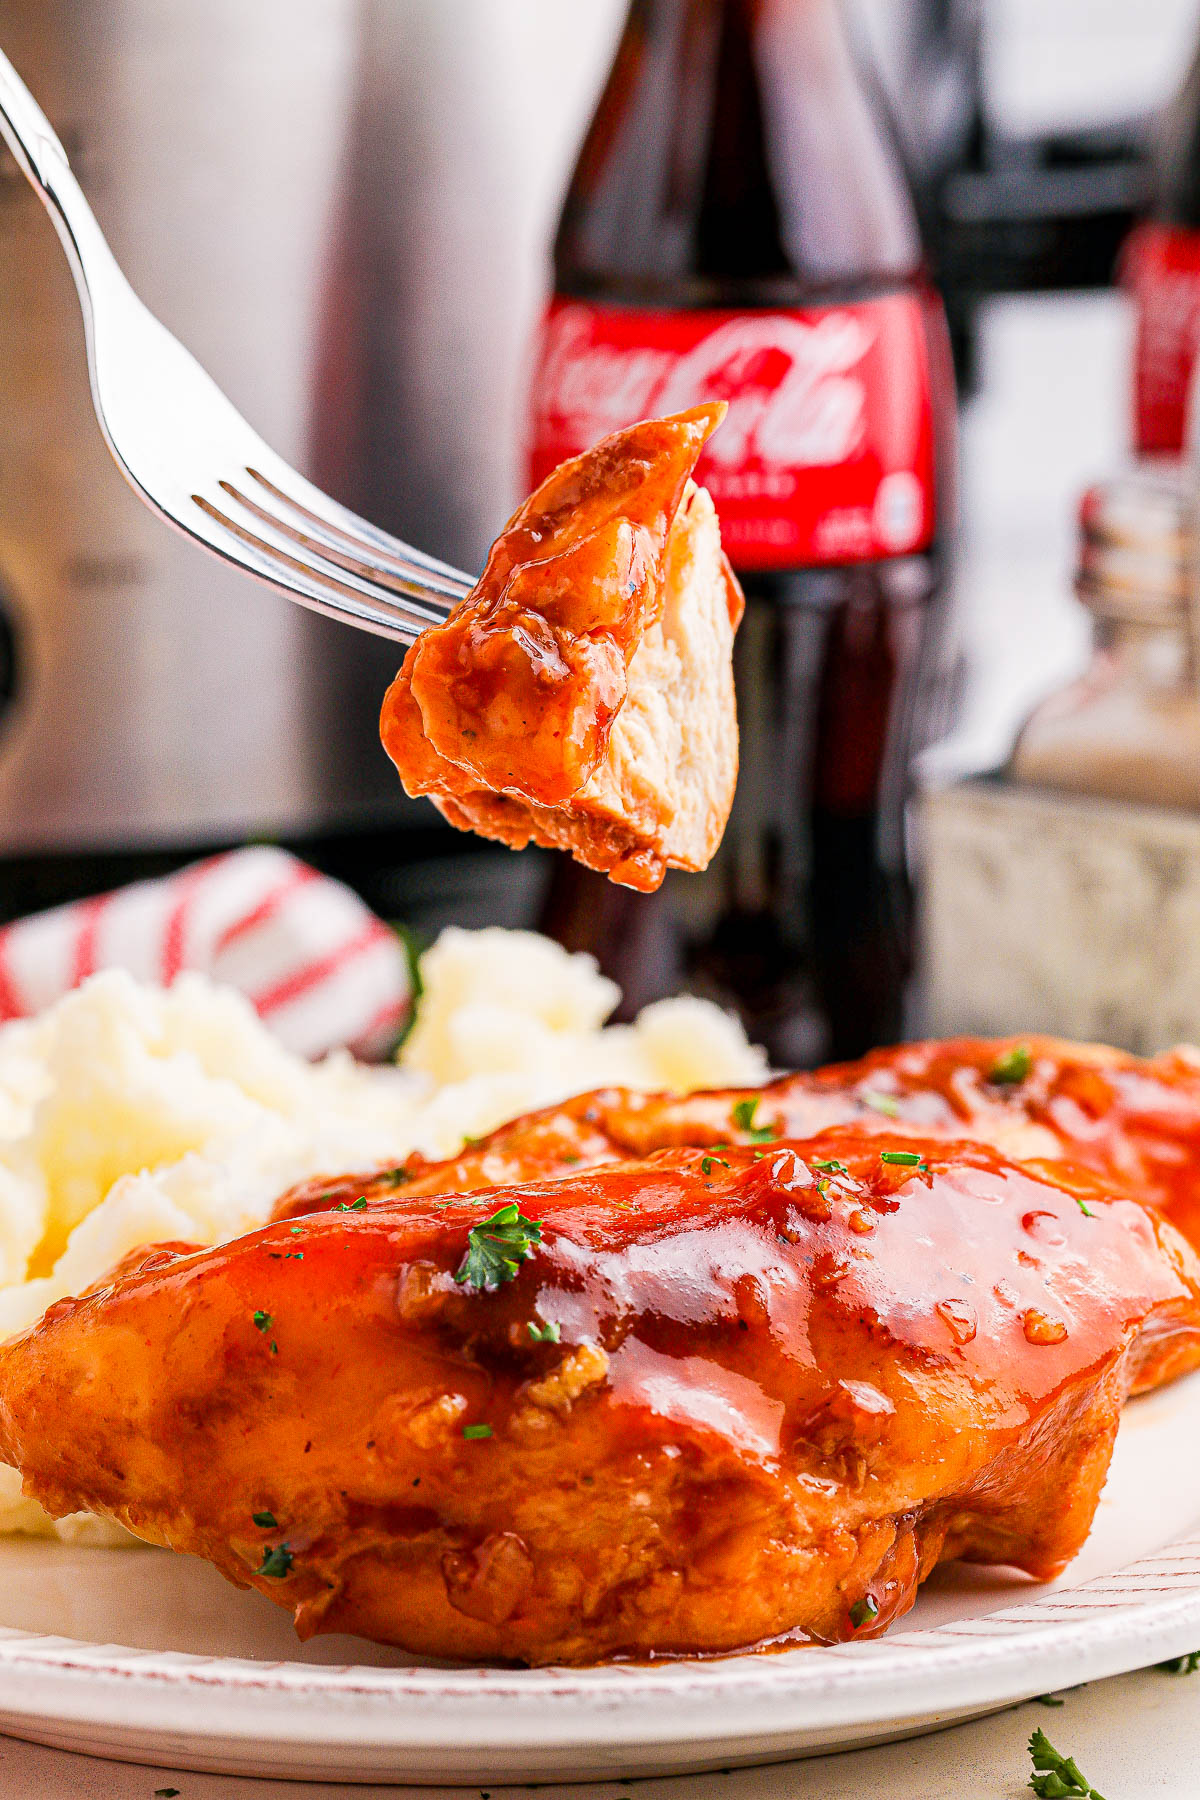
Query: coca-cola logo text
x=795, y=400
x=826, y=452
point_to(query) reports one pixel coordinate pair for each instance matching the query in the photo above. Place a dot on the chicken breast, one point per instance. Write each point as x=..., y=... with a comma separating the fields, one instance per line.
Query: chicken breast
x=1131, y=1121
x=703, y=1402
x=581, y=696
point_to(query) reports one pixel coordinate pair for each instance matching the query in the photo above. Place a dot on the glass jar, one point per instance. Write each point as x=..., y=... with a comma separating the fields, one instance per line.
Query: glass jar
x=1129, y=727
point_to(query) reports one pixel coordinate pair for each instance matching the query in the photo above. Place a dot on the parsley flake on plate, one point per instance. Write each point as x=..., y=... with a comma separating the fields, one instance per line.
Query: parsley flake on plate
x=1057, y=1777
x=351, y=1205
x=545, y=1334
x=477, y=1431
x=1182, y=1665
x=263, y=1321
x=864, y=1612
x=831, y=1167
x=706, y=1164
x=267, y=1520
x=497, y=1248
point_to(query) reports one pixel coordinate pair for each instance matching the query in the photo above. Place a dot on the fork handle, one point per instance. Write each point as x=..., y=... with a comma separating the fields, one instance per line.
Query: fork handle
x=28, y=132
x=45, y=165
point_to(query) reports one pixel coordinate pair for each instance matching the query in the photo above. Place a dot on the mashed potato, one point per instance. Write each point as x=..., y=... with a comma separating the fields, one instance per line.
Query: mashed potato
x=133, y=1115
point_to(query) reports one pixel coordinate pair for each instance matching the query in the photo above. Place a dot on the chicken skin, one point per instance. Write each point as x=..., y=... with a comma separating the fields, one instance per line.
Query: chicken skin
x=1133, y=1122
x=698, y=1403
x=581, y=696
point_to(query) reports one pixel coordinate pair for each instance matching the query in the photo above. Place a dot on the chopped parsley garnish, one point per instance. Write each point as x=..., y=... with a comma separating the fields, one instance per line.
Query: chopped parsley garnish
x=864, y=1612
x=1057, y=1777
x=1182, y=1665
x=165, y=1793
x=414, y=945
x=351, y=1205
x=1013, y=1066
x=277, y=1562
x=267, y=1520
x=831, y=1168
x=545, y=1334
x=908, y=1159
x=1048, y=1700
x=497, y=1248
x=477, y=1431
x=295, y=1230
x=395, y=1177
x=1084, y=1207
x=706, y=1164
x=263, y=1322
x=882, y=1103
x=743, y=1117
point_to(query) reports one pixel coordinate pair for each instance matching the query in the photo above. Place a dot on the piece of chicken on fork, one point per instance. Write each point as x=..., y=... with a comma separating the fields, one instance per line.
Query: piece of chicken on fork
x=581, y=696
x=702, y=1402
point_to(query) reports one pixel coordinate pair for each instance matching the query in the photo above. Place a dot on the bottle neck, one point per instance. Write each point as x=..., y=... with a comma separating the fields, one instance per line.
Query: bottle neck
x=755, y=14
x=738, y=144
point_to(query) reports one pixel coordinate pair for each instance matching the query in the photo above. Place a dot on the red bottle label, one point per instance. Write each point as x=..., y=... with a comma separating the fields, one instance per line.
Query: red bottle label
x=827, y=452
x=1161, y=269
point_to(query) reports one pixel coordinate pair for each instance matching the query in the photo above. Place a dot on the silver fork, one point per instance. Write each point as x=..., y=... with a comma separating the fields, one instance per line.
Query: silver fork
x=189, y=454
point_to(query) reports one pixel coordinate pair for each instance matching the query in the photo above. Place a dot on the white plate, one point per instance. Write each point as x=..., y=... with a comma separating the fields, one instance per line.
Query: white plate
x=210, y=1678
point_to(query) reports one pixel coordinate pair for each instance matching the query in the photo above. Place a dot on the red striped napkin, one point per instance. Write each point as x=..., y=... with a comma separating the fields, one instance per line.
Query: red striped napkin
x=317, y=965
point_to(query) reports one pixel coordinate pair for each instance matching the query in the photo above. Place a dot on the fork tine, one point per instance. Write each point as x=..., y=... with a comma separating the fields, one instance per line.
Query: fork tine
x=336, y=546
x=323, y=586
x=338, y=527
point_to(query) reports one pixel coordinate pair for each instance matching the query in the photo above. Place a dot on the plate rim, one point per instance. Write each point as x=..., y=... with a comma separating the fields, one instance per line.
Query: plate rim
x=1124, y=1620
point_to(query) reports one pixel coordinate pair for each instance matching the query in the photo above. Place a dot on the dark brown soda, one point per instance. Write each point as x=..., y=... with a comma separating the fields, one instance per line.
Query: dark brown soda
x=741, y=158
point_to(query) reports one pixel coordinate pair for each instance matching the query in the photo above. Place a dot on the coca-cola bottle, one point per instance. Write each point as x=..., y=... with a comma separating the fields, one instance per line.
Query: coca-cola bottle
x=739, y=227
x=1161, y=268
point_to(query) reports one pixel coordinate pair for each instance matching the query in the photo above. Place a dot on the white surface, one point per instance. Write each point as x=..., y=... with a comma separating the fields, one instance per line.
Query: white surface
x=977, y=1640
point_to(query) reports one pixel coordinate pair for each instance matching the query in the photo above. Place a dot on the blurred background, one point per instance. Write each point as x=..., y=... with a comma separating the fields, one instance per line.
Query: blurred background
x=966, y=237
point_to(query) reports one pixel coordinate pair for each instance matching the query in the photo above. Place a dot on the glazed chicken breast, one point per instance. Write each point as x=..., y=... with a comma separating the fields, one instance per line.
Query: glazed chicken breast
x=706, y=1401
x=581, y=696
x=1134, y=1122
